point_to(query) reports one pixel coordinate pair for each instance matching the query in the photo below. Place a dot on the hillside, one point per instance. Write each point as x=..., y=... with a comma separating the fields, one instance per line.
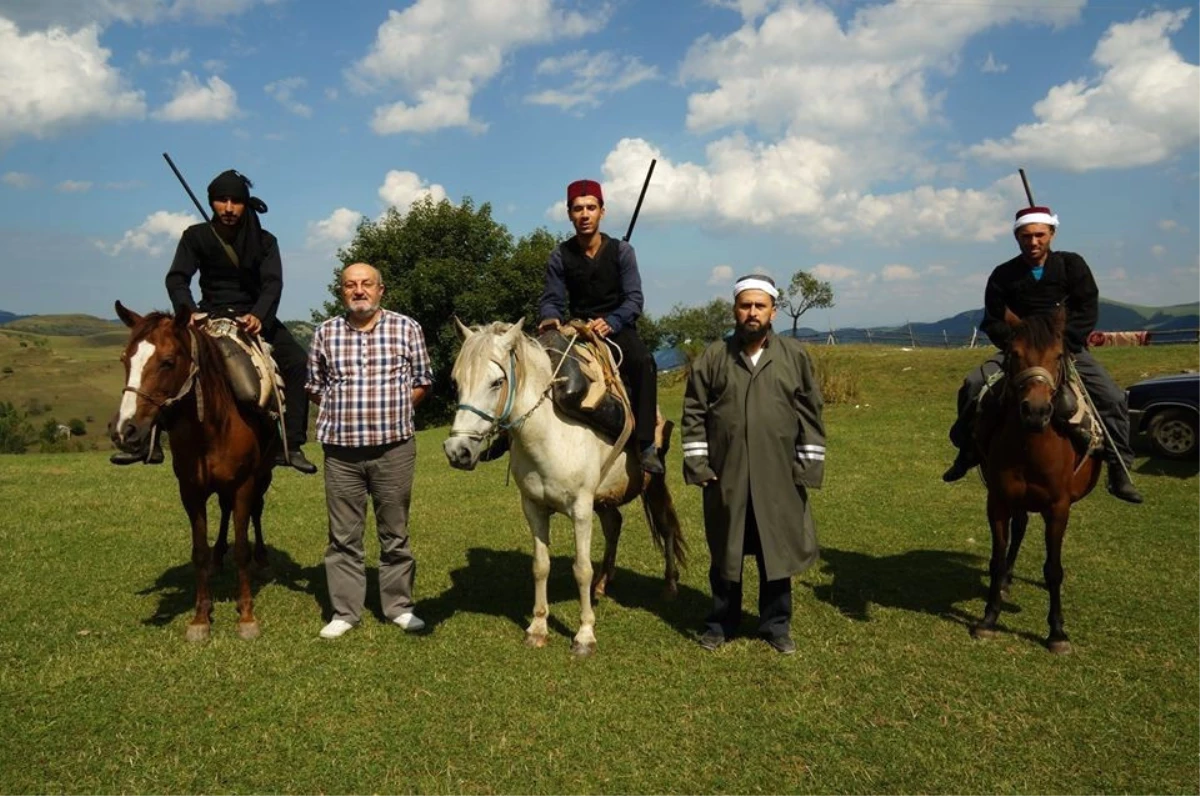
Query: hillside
x=74, y=325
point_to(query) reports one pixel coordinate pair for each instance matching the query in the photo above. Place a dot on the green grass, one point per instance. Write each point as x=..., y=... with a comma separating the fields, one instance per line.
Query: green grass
x=99, y=692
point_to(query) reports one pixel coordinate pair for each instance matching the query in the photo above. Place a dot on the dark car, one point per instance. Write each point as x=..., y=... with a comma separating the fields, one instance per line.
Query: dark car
x=1167, y=409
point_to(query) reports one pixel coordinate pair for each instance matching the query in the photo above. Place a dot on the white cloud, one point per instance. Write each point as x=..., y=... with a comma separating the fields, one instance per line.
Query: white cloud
x=214, y=66
x=1158, y=250
x=1142, y=109
x=19, y=179
x=124, y=185
x=1167, y=224
x=153, y=235
x=73, y=186
x=592, y=77
x=53, y=80
x=441, y=52
x=194, y=102
x=834, y=273
x=44, y=14
x=721, y=275
x=335, y=231
x=401, y=189
x=898, y=273
x=282, y=91
x=173, y=58
x=992, y=66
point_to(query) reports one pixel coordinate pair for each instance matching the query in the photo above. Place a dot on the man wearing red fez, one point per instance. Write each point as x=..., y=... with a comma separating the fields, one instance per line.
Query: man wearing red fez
x=1039, y=281
x=595, y=278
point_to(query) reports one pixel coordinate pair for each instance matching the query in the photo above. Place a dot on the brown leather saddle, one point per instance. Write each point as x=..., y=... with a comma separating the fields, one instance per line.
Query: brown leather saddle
x=587, y=386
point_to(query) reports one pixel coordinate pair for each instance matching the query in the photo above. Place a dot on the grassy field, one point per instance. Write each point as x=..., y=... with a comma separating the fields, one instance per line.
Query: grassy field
x=99, y=692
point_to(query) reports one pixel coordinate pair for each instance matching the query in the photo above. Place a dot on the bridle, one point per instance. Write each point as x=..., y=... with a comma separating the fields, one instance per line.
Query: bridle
x=188, y=384
x=500, y=422
x=1040, y=375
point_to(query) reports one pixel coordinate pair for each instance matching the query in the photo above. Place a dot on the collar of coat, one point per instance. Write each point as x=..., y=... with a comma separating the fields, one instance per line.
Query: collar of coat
x=740, y=353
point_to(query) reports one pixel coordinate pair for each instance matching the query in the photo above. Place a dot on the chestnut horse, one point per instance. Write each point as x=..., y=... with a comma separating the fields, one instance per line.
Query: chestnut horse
x=175, y=379
x=503, y=379
x=1030, y=465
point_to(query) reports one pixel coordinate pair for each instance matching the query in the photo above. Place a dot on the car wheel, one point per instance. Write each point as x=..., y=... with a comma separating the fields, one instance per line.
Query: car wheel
x=1173, y=434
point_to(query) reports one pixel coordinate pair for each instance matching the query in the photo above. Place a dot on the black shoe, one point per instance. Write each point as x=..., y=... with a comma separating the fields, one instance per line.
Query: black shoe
x=1119, y=485
x=650, y=461
x=711, y=640
x=123, y=458
x=962, y=465
x=297, y=460
x=782, y=644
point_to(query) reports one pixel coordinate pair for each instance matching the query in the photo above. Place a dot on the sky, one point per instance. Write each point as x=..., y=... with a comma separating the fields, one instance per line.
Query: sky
x=875, y=145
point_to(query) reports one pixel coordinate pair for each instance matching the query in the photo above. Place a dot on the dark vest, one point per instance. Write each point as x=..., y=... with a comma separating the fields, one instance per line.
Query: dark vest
x=593, y=285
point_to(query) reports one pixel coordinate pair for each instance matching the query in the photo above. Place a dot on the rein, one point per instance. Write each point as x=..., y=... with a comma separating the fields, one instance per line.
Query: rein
x=188, y=384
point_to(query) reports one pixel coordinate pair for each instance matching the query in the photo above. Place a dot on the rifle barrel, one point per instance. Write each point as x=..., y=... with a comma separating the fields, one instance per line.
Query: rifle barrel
x=186, y=187
x=638, y=208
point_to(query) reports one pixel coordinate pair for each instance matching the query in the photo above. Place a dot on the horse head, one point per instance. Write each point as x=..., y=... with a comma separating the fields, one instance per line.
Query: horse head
x=1034, y=365
x=160, y=366
x=484, y=377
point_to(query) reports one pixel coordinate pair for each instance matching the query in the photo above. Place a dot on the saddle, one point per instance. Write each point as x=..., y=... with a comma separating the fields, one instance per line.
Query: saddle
x=1073, y=413
x=249, y=366
x=588, y=387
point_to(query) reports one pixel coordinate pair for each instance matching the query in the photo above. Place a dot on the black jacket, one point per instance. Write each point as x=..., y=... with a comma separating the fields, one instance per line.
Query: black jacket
x=253, y=287
x=1066, y=281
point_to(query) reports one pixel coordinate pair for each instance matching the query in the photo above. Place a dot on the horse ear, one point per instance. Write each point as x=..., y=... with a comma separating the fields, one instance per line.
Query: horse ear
x=1011, y=318
x=514, y=331
x=183, y=316
x=463, y=331
x=127, y=316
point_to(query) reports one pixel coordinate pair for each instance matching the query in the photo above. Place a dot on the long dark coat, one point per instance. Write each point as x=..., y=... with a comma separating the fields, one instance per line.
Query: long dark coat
x=758, y=430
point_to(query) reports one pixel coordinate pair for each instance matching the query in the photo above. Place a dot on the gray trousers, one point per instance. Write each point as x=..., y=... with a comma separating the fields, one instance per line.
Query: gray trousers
x=384, y=472
x=1105, y=394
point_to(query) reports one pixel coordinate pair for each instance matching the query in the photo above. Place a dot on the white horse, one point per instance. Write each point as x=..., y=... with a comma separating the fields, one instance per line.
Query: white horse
x=503, y=379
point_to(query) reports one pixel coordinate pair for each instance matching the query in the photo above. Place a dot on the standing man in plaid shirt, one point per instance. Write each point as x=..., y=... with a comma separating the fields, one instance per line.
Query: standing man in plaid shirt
x=368, y=370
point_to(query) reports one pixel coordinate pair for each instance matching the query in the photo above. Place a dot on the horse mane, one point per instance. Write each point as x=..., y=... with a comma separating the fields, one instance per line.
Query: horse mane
x=1039, y=331
x=476, y=352
x=211, y=369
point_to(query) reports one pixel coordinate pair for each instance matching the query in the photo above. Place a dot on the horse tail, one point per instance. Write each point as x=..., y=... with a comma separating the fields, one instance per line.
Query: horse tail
x=659, y=509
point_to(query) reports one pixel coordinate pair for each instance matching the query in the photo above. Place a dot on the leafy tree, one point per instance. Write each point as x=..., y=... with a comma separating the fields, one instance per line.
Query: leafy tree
x=15, y=431
x=49, y=431
x=78, y=429
x=697, y=325
x=805, y=292
x=440, y=260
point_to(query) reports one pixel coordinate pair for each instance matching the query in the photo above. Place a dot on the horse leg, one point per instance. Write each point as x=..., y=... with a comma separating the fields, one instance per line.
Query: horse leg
x=197, y=510
x=666, y=529
x=610, y=523
x=1056, y=528
x=1020, y=522
x=260, y=546
x=999, y=515
x=243, y=503
x=222, y=545
x=538, y=517
x=584, y=643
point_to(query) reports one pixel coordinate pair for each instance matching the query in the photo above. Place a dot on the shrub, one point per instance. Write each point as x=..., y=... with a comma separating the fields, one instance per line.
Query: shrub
x=78, y=429
x=15, y=431
x=7, y=369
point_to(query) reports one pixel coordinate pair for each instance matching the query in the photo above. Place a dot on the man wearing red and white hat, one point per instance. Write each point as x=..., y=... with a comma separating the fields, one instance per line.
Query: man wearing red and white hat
x=595, y=278
x=1039, y=281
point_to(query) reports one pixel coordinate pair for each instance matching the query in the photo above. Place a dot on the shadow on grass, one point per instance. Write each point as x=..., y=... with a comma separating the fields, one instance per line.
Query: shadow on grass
x=500, y=583
x=176, y=587
x=1157, y=465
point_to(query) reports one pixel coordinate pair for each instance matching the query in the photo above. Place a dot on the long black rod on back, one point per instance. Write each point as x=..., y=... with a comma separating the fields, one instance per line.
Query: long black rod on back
x=183, y=182
x=638, y=208
x=1028, y=191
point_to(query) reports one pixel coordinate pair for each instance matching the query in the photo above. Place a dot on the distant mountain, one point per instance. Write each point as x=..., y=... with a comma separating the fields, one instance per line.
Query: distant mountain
x=76, y=325
x=5, y=317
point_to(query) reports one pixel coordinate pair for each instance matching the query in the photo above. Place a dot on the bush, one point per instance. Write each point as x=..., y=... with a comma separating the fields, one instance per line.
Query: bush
x=78, y=429
x=7, y=369
x=15, y=431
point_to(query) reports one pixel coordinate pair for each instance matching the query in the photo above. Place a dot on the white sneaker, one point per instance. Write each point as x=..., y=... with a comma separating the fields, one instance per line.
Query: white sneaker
x=409, y=622
x=335, y=628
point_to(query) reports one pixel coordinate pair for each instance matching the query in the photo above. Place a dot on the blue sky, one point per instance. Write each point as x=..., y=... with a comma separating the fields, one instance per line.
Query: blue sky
x=876, y=145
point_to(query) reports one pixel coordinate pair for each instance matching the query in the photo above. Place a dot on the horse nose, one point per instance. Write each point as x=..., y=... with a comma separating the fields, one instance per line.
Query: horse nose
x=1036, y=413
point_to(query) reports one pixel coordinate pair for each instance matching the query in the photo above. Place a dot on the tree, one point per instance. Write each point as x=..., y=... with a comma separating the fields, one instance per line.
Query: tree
x=696, y=325
x=440, y=260
x=15, y=431
x=805, y=292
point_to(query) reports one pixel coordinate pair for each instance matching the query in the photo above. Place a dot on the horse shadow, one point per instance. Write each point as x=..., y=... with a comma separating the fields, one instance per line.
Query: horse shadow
x=934, y=582
x=176, y=586
x=500, y=583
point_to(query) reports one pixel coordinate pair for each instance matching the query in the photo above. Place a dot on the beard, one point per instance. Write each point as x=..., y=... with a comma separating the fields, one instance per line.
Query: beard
x=751, y=334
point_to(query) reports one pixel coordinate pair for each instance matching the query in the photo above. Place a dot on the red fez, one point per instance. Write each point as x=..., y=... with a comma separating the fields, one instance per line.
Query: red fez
x=584, y=188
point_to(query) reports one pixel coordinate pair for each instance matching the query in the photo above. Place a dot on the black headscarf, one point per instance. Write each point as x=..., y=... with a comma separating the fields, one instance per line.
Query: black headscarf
x=248, y=239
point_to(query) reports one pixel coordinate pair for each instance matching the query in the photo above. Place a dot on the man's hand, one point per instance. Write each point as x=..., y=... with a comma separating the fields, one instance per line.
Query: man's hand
x=600, y=327
x=548, y=323
x=250, y=323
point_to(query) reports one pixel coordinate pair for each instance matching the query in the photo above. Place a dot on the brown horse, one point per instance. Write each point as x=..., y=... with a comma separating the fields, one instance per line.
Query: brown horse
x=175, y=379
x=1030, y=465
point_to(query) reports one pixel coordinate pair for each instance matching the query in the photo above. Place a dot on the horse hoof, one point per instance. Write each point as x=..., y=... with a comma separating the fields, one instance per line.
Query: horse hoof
x=981, y=632
x=196, y=633
x=535, y=641
x=583, y=650
x=599, y=590
x=1059, y=646
x=248, y=630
